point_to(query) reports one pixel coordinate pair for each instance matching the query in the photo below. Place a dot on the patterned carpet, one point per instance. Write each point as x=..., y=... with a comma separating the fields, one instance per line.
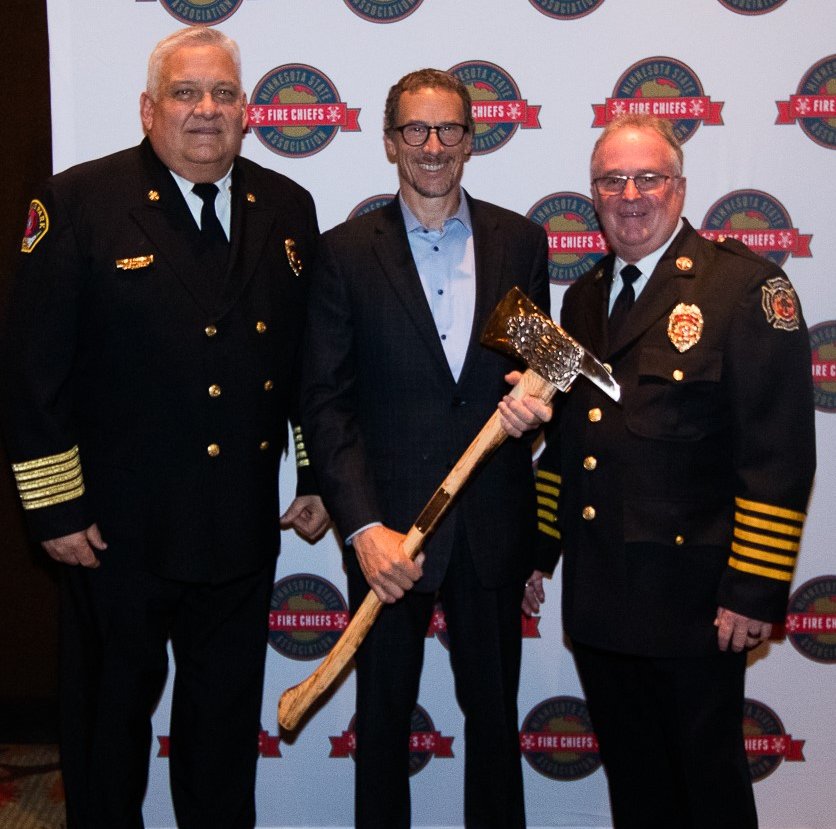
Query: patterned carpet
x=31, y=793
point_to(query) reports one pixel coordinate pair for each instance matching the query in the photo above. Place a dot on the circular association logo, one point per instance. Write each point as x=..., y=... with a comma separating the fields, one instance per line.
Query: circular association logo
x=814, y=104
x=383, y=11
x=766, y=741
x=295, y=111
x=370, y=204
x=557, y=739
x=424, y=741
x=664, y=87
x=201, y=12
x=498, y=109
x=307, y=616
x=758, y=220
x=811, y=619
x=566, y=9
x=823, y=348
x=752, y=6
x=575, y=240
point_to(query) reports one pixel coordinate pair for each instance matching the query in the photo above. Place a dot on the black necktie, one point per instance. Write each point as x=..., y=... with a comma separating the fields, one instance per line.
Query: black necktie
x=624, y=301
x=211, y=230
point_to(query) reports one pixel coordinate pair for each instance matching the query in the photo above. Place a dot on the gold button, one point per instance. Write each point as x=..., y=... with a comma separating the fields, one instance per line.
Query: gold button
x=678, y=374
x=608, y=367
x=588, y=513
x=250, y=198
x=214, y=390
x=268, y=384
x=265, y=444
x=589, y=463
x=679, y=540
x=261, y=327
x=213, y=450
x=210, y=330
x=595, y=415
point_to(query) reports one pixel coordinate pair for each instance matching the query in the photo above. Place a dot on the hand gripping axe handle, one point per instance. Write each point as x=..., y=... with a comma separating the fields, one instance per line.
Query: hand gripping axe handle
x=516, y=327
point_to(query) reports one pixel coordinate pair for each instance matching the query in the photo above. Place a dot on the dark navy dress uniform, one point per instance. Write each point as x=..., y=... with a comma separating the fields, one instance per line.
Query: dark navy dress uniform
x=148, y=390
x=688, y=495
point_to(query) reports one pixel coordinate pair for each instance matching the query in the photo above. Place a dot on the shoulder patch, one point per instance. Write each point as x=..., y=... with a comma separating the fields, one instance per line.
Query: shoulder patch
x=780, y=304
x=37, y=224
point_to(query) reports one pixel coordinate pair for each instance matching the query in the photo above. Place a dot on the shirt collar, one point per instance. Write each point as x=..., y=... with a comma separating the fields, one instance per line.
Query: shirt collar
x=224, y=184
x=461, y=215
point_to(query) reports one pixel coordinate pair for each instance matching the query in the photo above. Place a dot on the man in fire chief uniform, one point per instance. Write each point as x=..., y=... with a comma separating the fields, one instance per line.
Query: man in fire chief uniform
x=150, y=363
x=395, y=386
x=681, y=508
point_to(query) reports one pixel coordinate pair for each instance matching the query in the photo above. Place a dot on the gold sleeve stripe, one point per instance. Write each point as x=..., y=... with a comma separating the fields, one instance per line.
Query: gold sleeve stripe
x=549, y=503
x=767, y=540
x=548, y=516
x=47, y=460
x=546, y=529
x=548, y=490
x=772, y=526
x=53, y=479
x=549, y=476
x=760, y=555
x=768, y=572
x=769, y=509
x=301, y=452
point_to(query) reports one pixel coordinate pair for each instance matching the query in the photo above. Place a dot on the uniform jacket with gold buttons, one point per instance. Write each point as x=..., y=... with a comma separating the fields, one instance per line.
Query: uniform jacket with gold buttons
x=147, y=389
x=689, y=494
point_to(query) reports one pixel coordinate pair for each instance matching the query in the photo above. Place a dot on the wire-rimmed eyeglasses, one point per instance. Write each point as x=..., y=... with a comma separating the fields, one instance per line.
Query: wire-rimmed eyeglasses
x=644, y=183
x=417, y=134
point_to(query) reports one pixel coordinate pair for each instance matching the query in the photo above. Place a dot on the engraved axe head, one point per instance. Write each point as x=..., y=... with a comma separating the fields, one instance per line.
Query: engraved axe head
x=517, y=327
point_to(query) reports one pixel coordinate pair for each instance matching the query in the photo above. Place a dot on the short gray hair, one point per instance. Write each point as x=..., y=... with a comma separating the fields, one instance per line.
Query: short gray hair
x=190, y=36
x=661, y=126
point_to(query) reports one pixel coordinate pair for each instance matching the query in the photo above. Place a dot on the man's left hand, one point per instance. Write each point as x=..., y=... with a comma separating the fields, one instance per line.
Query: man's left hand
x=739, y=632
x=534, y=594
x=308, y=516
x=519, y=416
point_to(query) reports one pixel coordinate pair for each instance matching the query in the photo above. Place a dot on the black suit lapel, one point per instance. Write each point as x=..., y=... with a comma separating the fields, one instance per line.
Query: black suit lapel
x=395, y=257
x=167, y=221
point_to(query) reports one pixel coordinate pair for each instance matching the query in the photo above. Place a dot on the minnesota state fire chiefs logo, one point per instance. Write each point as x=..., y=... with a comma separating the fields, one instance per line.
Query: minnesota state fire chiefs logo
x=498, y=108
x=758, y=220
x=295, y=111
x=814, y=104
x=371, y=203
x=566, y=9
x=383, y=11
x=557, y=741
x=575, y=239
x=201, y=12
x=425, y=742
x=752, y=6
x=811, y=619
x=307, y=616
x=823, y=348
x=664, y=87
x=766, y=741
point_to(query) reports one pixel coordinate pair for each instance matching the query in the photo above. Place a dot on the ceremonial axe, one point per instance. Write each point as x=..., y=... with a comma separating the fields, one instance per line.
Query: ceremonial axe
x=520, y=329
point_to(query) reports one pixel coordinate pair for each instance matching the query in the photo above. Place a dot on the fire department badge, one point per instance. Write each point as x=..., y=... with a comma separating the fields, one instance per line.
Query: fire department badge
x=685, y=326
x=292, y=256
x=37, y=224
x=780, y=304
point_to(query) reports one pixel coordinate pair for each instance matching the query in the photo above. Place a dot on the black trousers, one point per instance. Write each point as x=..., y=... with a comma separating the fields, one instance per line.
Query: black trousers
x=115, y=624
x=670, y=732
x=485, y=650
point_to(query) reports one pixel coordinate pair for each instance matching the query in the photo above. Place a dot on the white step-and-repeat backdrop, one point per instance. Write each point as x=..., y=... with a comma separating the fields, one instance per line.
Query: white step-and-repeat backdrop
x=751, y=86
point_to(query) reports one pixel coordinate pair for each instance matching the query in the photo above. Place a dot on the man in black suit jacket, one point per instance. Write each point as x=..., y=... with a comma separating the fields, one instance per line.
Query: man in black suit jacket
x=151, y=361
x=681, y=508
x=395, y=387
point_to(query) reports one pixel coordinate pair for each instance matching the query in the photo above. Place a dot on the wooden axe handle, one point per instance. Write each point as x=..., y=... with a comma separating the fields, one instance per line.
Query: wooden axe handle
x=295, y=701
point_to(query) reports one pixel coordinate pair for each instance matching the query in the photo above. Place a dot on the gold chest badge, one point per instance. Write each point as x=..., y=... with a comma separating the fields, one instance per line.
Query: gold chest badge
x=293, y=256
x=685, y=326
